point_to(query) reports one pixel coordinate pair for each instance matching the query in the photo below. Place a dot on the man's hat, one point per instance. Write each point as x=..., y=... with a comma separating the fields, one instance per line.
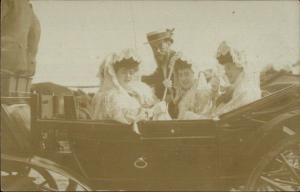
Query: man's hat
x=158, y=36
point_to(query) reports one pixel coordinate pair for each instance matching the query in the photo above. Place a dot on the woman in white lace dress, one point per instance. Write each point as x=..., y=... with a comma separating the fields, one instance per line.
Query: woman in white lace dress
x=244, y=80
x=122, y=96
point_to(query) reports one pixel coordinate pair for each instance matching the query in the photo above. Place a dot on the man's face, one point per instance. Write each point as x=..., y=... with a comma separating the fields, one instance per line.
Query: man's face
x=125, y=76
x=185, y=78
x=162, y=47
x=232, y=71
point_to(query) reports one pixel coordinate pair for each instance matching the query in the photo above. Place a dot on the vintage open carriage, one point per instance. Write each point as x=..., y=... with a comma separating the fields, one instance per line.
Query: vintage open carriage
x=256, y=146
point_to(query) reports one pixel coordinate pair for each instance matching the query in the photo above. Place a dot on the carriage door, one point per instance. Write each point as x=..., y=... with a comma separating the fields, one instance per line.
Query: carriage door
x=184, y=152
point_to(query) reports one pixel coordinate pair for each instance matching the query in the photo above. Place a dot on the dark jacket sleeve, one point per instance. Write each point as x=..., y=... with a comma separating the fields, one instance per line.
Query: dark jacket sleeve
x=33, y=42
x=149, y=79
x=155, y=81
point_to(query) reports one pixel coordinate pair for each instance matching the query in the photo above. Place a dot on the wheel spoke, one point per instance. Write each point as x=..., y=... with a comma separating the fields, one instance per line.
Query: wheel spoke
x=72, y=185
x=278, y=160
x=44, y=188
x=274, y=184
x=276, y=173
x=291, y=168
x=42, y=184
x=287, y=182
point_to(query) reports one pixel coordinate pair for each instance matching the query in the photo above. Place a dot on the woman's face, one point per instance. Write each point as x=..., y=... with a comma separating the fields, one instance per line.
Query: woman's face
x=185, y=78
x=232, y=71
x=126, y=75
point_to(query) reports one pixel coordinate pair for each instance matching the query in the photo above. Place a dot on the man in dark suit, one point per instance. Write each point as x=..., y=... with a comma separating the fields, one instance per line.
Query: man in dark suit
x=160, y=43
x=20, y=35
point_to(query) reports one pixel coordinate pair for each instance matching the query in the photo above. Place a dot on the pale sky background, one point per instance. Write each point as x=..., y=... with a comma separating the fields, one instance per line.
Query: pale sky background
x=77, y=35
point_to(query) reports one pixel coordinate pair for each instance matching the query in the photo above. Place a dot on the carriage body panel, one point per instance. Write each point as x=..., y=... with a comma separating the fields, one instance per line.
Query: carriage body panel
x=178, y=154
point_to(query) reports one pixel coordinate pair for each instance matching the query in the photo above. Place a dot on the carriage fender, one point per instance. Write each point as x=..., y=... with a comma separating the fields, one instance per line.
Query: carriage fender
x=43, y=163
x=281, y=127
x=288, y=123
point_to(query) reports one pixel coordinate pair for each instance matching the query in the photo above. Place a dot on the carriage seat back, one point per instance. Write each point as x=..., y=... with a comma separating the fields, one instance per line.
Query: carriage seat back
x=58, y=107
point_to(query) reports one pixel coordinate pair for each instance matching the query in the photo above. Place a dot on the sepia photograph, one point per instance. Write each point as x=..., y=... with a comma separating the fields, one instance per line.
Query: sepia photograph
x=148, y=95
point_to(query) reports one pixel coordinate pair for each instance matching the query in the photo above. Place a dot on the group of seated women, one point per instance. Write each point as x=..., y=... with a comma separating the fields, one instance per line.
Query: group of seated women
x=123, y=97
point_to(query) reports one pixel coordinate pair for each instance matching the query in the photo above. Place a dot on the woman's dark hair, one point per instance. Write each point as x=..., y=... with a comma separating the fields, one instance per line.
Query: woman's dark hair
x=182, y=64
x=126, y=63
x=225, y=58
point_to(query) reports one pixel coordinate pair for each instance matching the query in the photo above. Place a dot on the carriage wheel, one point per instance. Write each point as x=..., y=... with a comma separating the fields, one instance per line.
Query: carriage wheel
x=65, y=183
x=36, y=179
x=279, y=170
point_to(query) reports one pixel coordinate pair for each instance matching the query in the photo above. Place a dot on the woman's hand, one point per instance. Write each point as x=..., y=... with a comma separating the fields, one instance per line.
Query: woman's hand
x=144, y=114
x=160, y=111
x=159, y=107
x=132, y=116
x=226, y=97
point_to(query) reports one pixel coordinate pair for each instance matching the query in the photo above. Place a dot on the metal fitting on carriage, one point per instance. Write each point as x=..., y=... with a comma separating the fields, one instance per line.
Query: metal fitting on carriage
x=140, y=163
